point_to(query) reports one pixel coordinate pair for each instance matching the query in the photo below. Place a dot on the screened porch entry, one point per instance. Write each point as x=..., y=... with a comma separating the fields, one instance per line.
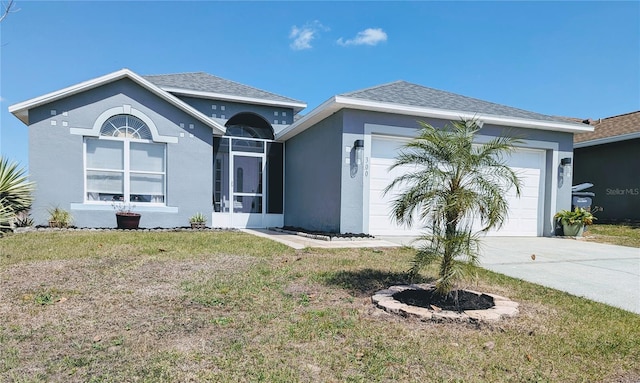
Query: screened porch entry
x=247, y=178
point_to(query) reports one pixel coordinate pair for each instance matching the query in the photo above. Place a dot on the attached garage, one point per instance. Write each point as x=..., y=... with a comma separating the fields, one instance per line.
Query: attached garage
x=525, y=213
x=346, y=146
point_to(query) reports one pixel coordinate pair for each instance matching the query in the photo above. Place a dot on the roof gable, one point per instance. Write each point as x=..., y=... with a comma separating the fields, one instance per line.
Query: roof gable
x=611, y=129
x=21, y=110
x=406, y=93
x=409, y=99
x=206, y=85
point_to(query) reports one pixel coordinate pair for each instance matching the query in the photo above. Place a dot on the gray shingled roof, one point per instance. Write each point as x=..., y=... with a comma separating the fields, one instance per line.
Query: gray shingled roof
x=406, y=93
x=204, y=82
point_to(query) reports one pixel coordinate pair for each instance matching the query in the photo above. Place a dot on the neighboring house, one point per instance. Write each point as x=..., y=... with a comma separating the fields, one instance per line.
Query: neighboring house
x=174, y=145
x=609, y=158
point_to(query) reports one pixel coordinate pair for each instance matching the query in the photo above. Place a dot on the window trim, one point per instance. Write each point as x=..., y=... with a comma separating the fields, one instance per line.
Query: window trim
x=126, y=171
x=124, y=109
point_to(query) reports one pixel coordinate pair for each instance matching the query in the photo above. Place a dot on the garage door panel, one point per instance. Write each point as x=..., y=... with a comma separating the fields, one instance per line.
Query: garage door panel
x=380, y=205
x=387, y=227
x=522, y=218
x=382, y=166
x=523, y=158
x=379, y=185
x=527, y=203
x=386, y=148
x=524, y=212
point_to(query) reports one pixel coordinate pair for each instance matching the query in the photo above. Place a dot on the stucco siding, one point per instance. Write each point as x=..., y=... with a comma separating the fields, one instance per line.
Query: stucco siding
x=56, y=167
x=313, y=176
x=206, y=106
x=56, y=156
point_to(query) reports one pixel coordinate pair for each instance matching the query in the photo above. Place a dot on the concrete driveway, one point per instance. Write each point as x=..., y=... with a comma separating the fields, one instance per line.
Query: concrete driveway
x=605, y=273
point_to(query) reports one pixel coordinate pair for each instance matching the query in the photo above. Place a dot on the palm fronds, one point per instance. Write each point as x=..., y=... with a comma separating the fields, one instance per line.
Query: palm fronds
x=452, y=182
x=15, y=191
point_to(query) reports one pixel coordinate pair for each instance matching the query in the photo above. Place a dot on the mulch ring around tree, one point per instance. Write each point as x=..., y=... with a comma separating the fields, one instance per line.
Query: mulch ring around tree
x=421, y=301
x=458, y=300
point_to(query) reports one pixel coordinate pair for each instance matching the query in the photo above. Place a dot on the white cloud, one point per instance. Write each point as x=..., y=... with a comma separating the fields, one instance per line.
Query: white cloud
x=370, y=36
x=303, y=36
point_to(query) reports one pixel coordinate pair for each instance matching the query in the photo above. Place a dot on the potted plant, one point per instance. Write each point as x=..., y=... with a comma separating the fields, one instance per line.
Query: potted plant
x=573, y=222
x=59, y=218
x=125, y=217
x=198, y=221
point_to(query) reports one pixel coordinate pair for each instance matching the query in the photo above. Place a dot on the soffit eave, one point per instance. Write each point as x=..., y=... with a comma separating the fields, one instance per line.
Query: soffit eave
x=340, y=102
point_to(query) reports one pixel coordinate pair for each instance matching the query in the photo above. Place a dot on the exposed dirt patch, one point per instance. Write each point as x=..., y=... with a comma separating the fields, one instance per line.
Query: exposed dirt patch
x=625, y=377
x=320, y=295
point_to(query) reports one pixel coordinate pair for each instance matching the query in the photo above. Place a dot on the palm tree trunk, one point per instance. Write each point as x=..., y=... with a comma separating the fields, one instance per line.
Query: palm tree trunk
x=446, y=267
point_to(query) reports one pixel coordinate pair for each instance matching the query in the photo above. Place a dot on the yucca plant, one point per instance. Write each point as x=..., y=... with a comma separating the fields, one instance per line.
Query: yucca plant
x=198, y=218
x=451, y=183
x=23, y=219
x=59, y=218
x=198, y=221
x=16, y=191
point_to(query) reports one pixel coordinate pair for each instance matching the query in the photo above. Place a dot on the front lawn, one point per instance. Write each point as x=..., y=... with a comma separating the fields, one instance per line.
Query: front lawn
x=230, y=307
x=624, y=235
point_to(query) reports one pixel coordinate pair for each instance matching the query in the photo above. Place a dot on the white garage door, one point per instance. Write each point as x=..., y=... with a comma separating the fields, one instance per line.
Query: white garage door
x=524, y=213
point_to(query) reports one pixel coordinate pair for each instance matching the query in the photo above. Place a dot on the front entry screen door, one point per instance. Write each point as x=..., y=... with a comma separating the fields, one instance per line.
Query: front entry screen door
x=247, y=184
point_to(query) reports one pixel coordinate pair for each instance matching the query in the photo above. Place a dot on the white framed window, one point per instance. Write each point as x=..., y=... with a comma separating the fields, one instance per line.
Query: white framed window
x=124, y=164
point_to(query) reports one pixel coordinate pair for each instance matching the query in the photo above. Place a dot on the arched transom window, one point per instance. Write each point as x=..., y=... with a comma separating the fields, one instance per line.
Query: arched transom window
x=249, y=125
x=124, y=164
x=125, y=126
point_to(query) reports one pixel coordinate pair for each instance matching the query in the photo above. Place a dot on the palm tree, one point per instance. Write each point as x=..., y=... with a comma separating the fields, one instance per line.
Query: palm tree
x=15, y=192
x=452, y=185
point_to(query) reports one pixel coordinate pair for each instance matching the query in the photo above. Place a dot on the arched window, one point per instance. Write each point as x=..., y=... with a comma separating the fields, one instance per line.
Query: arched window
x=125, y=126
x=249, y=125
x=124, y=164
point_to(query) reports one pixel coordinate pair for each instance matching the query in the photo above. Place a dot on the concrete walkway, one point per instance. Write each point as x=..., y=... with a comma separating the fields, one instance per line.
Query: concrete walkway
x=604, y=273
x=298, y=242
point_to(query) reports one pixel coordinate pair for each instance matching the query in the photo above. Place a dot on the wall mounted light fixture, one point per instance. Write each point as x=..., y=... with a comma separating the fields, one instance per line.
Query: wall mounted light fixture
x=565, y=167
x=356, y=156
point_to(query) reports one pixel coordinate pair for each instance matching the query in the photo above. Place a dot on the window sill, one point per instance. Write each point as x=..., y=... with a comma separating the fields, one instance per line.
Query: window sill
x=138, y=208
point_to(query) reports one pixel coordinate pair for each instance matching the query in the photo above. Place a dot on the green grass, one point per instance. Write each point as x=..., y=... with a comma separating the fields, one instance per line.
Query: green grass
x=229, y=307
x=624, y=235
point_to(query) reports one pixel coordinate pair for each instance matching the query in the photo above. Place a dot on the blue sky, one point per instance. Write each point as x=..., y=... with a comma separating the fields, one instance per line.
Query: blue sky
x=577, y=59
